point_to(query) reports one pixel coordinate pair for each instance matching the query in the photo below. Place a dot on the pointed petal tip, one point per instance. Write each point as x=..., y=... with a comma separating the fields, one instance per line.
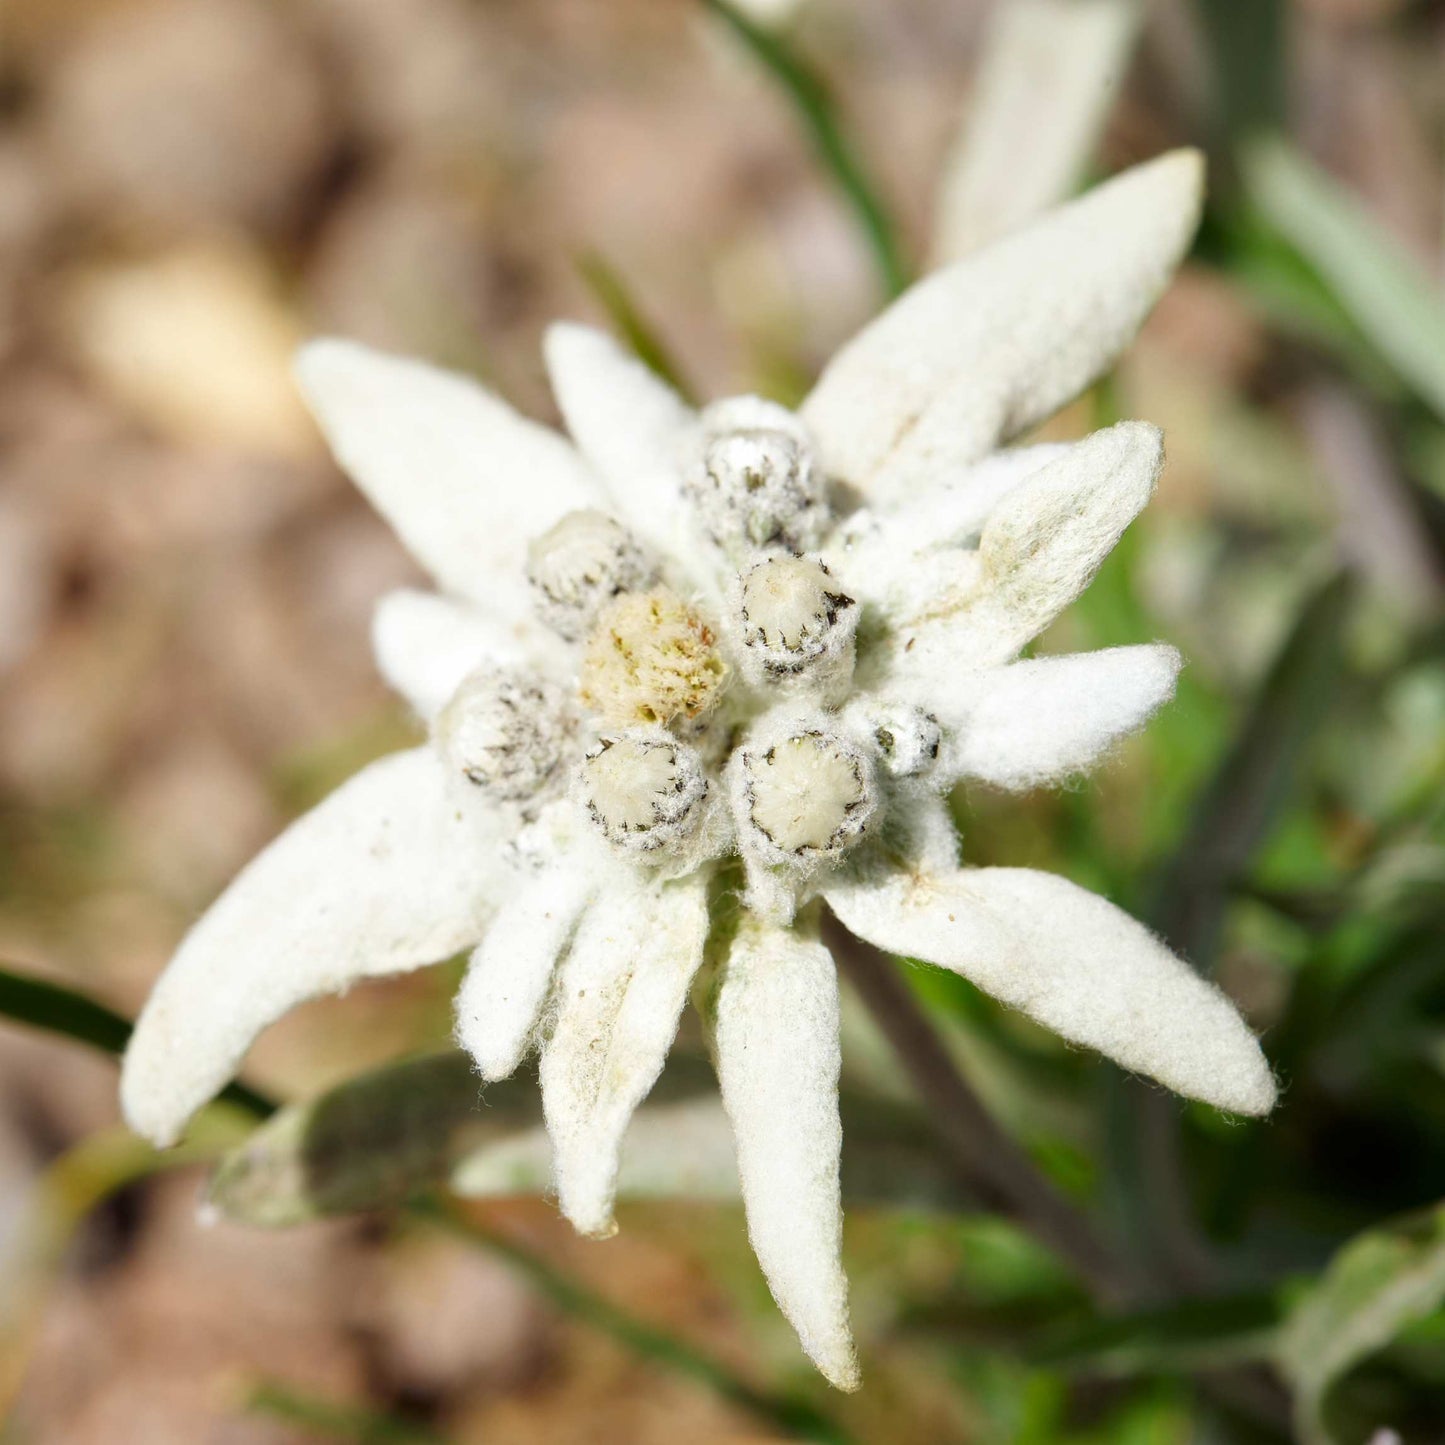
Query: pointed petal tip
x=571, y=336
x=841, y=1370
x=1254, y=1093
x=144, y=1109
x=318, y=360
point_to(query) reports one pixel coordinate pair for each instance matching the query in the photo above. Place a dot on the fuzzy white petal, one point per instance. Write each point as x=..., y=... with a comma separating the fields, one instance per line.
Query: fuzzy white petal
x=979, y=352
x=628, y=423
x=391, y=872
x=425, y=644
x=465, y=481
x=1075, y=963
x=1040, y=548
x=619, y=995
x=1051, y=70
x=888, y=556
x=506, y=981
x=672, y=1151
x=776, y=1024
x=1040, y=721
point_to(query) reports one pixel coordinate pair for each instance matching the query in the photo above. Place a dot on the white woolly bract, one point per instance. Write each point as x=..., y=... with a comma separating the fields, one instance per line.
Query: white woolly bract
x=672, y=1151
x=1050, y=69
x=619, y=994
x=775, y=1029
x=879, y=548
x=392, y=871
x=464, y=480
x=631, y=426
x=1073, y=962
x=1040, y=721
x=507, y=978
x=425, y=644
x=1040, y=548
x=979, y=352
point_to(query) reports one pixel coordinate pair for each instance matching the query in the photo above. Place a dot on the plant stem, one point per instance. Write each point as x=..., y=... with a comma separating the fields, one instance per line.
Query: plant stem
x=815, y=108
x=794, y=1416
x=992, y=1164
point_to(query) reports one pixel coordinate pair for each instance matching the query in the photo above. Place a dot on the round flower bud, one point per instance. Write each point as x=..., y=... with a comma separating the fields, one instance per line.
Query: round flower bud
x=809, y=796
x=908, y=739
x=644, y=790
x=795, y=620
x=504, y=731
x=651, y=658
x=757, y=483
x=578, y=566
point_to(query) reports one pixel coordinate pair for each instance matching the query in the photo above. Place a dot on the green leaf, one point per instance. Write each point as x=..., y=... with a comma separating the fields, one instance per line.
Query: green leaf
x=1206, y=1334
x=1233, y=814
x=64, y=1011
x=1380, y=1283
x=61, y=1010
x=796, y=1417
x=615, y=297
x=1247, y=76
x=328, y=1420
x=377, y=1140
x=1243, y=799
x=815, y=108
x=1387, y=294
x=370, y=1143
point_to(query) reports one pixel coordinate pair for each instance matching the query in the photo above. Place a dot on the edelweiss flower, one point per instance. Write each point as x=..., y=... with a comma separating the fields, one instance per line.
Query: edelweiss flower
x=741, y=650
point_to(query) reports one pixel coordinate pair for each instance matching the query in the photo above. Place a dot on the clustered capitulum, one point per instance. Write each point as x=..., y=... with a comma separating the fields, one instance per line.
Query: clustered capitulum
x=676, y=701
x=756, y=484
x=505, y=730
x=644, y=789
x=579, y=566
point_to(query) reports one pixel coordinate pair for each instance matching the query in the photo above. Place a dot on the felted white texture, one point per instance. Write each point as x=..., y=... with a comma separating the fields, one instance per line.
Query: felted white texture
x=899, y=557
x=672, y=1151
x=507, y=978
x=630, y=425
x=392, y=871
x=463, y=480
x=1039, y=549
x=1050, y=69
x=425, y=644
x=1073, y=962
x=776, y=1035
x=977, y=353
x=1038, y=722
x=619, y=995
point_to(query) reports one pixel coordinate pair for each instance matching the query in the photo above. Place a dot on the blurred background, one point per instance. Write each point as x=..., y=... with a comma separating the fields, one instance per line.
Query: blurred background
x=188, y=187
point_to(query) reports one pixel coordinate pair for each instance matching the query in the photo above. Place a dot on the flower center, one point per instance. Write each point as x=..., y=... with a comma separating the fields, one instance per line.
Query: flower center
x=579, y=565
x=795, y=617
x=757, y=484
x=808, y=795
x=651, y=658
x=644, y=789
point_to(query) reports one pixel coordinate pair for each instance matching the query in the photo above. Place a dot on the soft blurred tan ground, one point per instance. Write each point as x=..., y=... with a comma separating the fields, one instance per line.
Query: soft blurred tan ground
x=186, y=188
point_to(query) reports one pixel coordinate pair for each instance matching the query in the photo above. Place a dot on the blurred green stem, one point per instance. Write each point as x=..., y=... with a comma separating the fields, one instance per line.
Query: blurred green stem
x=815, y=107
x=796, y=1417
x=993, y=1165
x=64, y=1011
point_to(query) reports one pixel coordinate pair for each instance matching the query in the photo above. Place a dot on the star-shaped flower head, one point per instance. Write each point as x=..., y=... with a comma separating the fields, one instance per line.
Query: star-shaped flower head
x=735, y=643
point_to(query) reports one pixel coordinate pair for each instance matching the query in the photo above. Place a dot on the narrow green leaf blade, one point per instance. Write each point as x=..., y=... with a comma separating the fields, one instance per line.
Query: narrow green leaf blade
x=615, y=297
x=370, y=1143
x=1387, y=294
x=40, y=1004
x=1201, y=1334
x=1378, y=1284
x=815, y=108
